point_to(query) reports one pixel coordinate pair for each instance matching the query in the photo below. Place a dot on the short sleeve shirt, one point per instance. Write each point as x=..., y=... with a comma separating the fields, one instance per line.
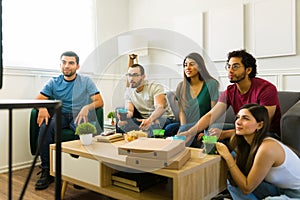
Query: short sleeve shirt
x=199, y=106
x=261, y=92
x=74, y=94
x=144, y=101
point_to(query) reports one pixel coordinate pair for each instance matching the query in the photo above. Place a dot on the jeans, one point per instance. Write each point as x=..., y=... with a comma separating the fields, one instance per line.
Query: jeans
x=172, y=129
x=67, y=122
x=262, y=191
x=186, y=127
x=291, y=193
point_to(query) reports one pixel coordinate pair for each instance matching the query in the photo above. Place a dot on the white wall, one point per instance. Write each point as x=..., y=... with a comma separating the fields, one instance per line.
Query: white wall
x=116, y=17
x=113, y=18
x=162, y=65
x=19, y=83
x=283, y=71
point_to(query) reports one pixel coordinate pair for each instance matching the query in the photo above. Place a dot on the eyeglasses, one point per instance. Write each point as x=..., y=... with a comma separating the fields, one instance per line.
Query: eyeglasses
x=234, y=67
x=134, y=75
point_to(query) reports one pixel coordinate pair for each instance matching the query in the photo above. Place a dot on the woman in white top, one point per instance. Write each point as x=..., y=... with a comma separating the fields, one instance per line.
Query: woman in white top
x=263, y=167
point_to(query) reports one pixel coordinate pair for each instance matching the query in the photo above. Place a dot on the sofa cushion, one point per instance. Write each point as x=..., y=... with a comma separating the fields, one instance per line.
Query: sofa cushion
x=173, y=103
x=290, y=127
x=287, y=100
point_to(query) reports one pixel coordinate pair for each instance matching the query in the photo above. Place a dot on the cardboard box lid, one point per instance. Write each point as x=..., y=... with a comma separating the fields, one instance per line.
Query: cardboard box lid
x=154, y=148
x=175, y=162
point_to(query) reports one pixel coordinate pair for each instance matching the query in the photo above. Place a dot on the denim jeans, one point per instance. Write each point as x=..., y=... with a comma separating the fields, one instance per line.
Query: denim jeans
x=186, y=127
x=67, y=122
x=291, y=193
x=262, y=191
x=172, y=129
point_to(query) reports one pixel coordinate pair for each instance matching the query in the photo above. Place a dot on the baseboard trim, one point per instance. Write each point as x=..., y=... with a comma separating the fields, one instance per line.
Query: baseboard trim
x=18, y=166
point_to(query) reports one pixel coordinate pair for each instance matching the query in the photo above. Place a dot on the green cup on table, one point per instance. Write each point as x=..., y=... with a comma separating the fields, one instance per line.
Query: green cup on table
x=158, y=133
x=209, y=144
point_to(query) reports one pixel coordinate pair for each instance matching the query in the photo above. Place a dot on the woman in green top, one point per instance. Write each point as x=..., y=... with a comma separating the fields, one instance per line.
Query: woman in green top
x=196, y=95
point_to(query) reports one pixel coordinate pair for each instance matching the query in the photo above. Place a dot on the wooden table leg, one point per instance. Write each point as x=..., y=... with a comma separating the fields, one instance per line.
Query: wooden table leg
x=64, y=188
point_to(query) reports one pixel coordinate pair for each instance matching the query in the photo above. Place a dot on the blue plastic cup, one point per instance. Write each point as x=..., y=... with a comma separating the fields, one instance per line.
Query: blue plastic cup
x=179, y=137
x=123, y=113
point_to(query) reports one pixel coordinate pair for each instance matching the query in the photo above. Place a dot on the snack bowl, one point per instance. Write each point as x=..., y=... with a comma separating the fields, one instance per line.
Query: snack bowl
x=133, y=135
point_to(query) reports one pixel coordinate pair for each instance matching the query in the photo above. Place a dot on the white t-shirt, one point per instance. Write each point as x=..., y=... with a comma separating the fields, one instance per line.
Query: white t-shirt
x=144, y=101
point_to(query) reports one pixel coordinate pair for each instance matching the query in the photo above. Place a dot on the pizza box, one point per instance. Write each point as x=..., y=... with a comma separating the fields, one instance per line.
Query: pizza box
x=174, y=163
x=109, y=138
x=154, y=148
x=180, y=159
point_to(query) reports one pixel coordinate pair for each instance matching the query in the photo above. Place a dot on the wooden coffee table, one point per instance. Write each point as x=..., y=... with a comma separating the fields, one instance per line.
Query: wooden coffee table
x=202, y=177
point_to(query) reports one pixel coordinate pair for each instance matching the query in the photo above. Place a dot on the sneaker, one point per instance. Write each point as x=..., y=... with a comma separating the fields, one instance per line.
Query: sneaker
x=44, y=180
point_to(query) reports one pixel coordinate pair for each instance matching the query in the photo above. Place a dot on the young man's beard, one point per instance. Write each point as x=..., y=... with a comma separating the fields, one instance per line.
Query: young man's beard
x=136, y=84
x=69, y=74
x=239, y=78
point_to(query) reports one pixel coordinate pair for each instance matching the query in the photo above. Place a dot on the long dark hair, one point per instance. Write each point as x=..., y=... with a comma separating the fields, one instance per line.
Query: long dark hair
x=245, y=153
x=203, y=75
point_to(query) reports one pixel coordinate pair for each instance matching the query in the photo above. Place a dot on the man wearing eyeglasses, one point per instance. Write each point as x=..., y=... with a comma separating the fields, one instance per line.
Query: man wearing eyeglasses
x=246, y=88
x=146, y=101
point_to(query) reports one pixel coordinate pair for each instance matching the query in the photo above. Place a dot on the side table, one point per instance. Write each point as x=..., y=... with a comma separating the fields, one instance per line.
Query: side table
x=11, y=104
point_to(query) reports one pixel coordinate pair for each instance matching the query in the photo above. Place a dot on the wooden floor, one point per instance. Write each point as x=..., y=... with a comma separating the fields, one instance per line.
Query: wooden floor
x=19, y=177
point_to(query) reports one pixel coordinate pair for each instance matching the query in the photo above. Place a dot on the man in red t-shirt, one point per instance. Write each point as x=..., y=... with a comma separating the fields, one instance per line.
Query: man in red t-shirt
x=246, y=88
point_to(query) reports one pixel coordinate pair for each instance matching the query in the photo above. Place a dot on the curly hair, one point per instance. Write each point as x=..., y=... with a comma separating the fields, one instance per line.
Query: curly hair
x=247, y=59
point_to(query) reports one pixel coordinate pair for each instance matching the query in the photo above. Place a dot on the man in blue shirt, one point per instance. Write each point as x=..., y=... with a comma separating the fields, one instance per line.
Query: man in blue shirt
x=78, y=94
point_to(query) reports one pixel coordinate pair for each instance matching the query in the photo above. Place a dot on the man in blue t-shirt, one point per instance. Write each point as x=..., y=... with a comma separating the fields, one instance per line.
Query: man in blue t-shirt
x=78, y=94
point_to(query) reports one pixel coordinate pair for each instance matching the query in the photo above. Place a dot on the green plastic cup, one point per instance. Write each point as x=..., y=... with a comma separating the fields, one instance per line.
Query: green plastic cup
x=210, y=144
x=158, y=133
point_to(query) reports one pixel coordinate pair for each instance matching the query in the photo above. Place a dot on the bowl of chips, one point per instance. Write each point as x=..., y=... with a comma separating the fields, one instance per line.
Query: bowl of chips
x=133, y=135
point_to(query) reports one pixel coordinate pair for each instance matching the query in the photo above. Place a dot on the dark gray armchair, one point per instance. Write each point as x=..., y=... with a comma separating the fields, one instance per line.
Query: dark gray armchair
x=290, y=120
